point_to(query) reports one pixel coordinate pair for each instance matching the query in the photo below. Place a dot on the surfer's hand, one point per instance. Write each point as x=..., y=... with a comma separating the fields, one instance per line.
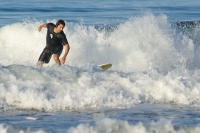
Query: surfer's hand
x=62, y=60
x=42, y=26
x=39, y=28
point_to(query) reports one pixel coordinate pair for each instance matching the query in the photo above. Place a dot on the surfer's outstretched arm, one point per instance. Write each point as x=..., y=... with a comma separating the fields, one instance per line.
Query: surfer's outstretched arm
x=42, y=26
x=67, y=47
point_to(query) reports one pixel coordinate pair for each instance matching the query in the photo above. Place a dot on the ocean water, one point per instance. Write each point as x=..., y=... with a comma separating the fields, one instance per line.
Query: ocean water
x=152, y=87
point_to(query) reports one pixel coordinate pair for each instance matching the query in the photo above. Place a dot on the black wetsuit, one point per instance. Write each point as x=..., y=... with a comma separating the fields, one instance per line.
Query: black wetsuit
x=54, y=43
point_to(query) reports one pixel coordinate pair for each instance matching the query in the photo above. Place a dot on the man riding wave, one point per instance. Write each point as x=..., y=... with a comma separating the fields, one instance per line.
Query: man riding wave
x=55, y=40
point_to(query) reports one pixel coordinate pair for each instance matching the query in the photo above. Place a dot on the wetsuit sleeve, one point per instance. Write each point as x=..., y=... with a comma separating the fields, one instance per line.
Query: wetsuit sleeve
x=64, y=39
x=50, y=25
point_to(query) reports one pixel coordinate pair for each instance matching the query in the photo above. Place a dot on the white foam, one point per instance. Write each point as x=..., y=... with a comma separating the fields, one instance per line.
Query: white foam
x=65, y=88
x=57, y=88
x=107, y=125
x=152, y=62
x=31, y=118
x=138, y=44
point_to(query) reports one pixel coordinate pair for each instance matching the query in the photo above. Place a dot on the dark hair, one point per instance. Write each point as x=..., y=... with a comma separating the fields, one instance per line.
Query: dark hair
x=60, y=22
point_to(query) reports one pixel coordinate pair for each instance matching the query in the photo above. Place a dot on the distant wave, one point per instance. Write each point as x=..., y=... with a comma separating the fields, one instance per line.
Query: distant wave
x=189, y=23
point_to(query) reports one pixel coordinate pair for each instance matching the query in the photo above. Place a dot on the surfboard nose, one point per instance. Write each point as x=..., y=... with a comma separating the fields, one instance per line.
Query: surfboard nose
x=105, y=66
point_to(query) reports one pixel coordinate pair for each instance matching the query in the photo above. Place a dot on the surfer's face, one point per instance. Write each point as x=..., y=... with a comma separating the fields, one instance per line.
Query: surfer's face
x=59, y=28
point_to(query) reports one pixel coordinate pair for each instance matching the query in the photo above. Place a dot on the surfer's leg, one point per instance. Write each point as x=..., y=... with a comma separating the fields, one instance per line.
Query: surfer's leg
x=56, y=58
x=56, y=54
x=44, y=57
x=40, y=64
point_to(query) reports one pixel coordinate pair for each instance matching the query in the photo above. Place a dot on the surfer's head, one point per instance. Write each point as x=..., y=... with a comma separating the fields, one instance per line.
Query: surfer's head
x=60, y=25
x=60, y=22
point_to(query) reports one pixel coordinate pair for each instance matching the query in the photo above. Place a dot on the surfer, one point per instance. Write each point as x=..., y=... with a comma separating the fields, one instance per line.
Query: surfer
x=55, y=40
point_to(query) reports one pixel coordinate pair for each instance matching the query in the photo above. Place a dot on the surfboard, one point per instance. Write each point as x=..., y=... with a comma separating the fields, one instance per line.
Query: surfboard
x=105, y=66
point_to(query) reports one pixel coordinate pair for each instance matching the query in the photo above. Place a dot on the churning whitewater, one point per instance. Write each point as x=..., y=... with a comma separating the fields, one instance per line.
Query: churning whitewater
x=153, y=62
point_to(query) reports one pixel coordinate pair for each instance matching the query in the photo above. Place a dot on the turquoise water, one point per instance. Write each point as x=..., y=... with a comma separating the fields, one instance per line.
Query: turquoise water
x=153, y=85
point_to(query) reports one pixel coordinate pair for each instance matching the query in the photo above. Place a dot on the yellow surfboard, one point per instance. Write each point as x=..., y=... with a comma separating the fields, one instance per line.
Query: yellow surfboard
x=105, y=66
